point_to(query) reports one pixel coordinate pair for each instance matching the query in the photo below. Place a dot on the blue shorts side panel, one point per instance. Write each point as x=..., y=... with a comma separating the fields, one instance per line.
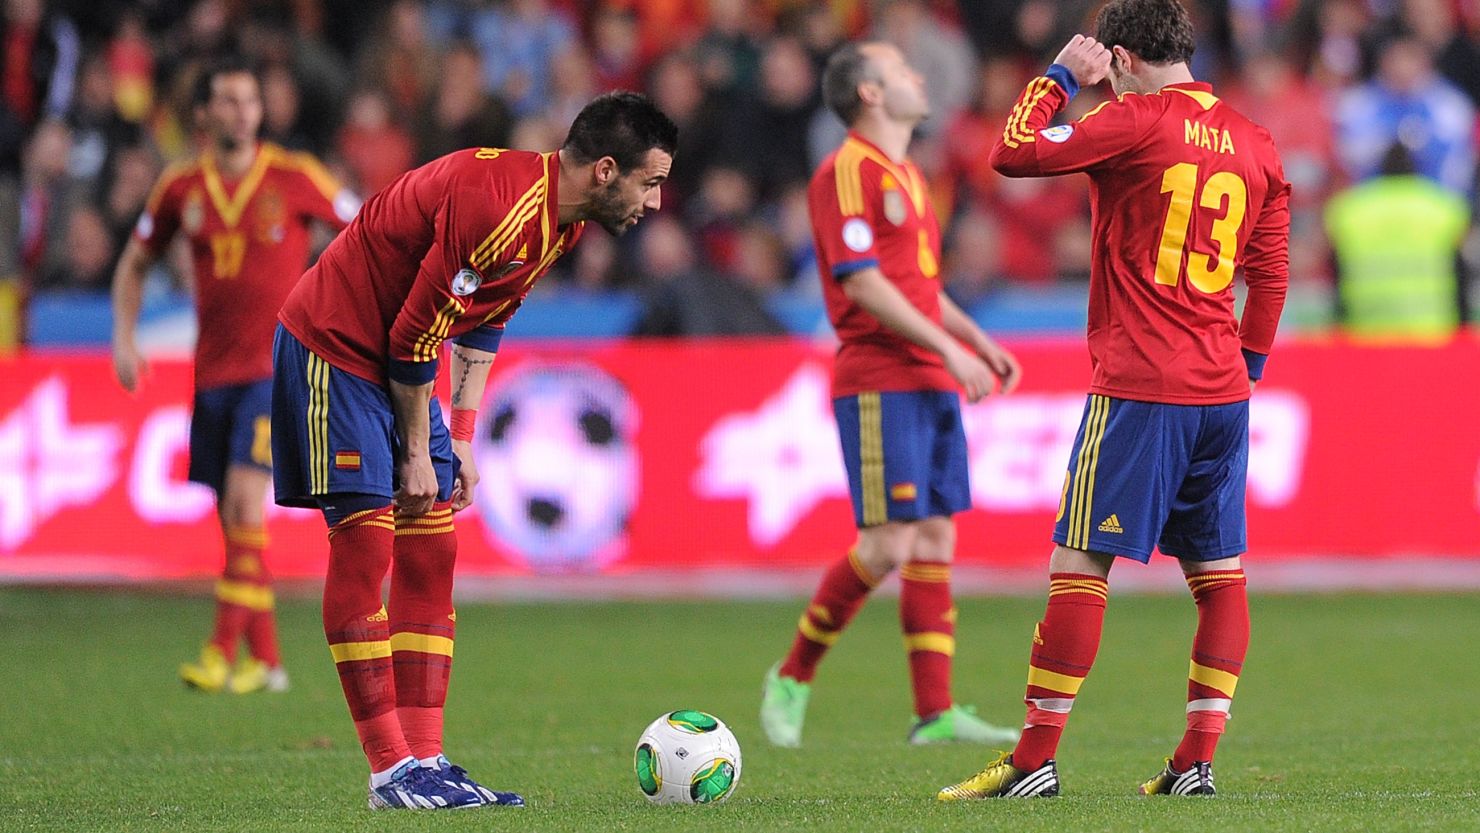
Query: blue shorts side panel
x=230, y=425
x=333, y=432
x=1144, y=474
x=905, y=455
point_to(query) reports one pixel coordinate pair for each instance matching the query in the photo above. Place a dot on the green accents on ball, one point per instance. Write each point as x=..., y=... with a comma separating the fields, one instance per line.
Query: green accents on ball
x=649, y=779
x=713, y=782
x=692, y=721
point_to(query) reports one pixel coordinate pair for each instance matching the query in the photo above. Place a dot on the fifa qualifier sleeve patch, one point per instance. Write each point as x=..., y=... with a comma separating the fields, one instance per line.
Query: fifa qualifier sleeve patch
x=857, y=235
x=1058, y=135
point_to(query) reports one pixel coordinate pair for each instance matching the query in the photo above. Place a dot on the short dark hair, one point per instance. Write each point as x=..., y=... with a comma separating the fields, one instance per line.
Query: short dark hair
x=846, y=68
x=1156, y=31
x=200, y=94
x=623, y=125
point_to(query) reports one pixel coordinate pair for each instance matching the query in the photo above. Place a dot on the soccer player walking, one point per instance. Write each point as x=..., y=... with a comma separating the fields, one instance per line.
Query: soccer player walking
x=447, y=251
x=246, y=208
x=906, y=349
x=1185, y=190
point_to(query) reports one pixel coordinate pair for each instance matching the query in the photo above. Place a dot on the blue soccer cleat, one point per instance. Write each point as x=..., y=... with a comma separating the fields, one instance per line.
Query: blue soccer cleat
x=413, y=787
x=458, y=777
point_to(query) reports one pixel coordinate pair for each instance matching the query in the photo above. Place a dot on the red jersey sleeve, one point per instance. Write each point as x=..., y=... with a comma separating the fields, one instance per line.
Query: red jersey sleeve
x=160, y=221
x=844, y=213
x=1029, y=147
x=1266, y=264
x=444, y=283
x=322, y=197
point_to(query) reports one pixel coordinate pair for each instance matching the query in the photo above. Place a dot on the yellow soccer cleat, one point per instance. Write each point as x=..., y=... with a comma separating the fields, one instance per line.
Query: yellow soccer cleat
x=253, y=674
x=1003, y=780
x=209, y=673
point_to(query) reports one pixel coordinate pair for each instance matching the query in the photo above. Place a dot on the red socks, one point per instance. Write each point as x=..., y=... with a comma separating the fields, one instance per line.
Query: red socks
x=243, y=593
x=1218, y=652
x=1064, y=647
x=928, y=620
x=844, y=587
x=358, y=631
x=423, y=625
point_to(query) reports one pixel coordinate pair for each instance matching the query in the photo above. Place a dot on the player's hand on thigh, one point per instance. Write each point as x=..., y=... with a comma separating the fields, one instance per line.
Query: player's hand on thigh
x=1087, y=60
x=418, y=487
x=467, y=476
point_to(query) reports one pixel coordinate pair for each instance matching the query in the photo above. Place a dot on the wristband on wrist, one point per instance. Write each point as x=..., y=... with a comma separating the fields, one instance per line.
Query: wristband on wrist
x=463, y=420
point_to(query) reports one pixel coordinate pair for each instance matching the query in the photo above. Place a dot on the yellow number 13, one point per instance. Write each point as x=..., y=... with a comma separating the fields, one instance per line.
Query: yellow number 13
x=1210, y=272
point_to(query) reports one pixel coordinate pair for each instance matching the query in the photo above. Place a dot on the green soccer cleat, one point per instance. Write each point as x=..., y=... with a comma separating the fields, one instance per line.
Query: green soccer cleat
x=1197, y=780
x=960, y=723
x=1003, y=780
x=783, y=708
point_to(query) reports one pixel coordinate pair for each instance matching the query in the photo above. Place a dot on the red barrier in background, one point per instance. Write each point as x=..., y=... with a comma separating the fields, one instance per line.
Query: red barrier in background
x=631, y=456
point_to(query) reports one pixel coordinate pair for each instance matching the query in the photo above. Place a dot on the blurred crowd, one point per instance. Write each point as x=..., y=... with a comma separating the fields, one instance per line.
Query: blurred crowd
x=94, y=100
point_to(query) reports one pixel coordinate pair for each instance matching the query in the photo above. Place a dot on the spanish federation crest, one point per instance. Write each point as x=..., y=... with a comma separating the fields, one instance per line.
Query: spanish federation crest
x=894, y=206
x=466, y=282
x=193, y=213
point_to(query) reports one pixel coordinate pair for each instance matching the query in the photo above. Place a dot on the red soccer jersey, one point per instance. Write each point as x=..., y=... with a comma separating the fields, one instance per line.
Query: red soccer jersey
x=249, y=242
x=1184, y=190
x=867, y=211
x=446, y=249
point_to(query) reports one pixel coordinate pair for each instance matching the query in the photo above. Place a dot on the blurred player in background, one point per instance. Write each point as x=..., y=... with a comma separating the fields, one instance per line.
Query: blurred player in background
x=906, y=350
x=246, y=208
x=447, y=251
x=1185, y=191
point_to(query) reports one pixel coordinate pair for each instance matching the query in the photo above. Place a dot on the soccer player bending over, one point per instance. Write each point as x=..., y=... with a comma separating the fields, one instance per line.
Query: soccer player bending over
x=1185, y=191
x=905, y=351
x=246, y=208
x=447, y=251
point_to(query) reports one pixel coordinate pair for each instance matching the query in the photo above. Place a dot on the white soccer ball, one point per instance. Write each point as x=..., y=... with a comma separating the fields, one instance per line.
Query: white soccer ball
x=687, y=757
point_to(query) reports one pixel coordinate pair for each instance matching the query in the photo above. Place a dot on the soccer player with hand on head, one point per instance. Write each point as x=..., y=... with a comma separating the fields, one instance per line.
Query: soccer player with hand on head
x=1185, y=192
x=446, y=252
x=246, y=208
x=906, y=350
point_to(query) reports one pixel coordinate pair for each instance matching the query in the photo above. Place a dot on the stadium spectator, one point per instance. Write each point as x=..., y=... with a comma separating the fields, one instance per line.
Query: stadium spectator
x=462, y=114
x=376, y=149
x=1397, y=238
x=683, y=298
x=519, y=41
x=1408, y=101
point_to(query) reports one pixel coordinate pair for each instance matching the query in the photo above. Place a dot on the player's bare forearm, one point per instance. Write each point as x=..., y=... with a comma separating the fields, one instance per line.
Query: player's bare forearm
x=469, y=375
x=412, y=404
x=960, y=325
x=1002, y=363
x=128, y=288
x=880, y=298
x=128, y=294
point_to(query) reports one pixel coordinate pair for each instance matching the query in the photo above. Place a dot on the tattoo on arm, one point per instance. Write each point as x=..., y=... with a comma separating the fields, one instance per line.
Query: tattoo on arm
x=468, y=363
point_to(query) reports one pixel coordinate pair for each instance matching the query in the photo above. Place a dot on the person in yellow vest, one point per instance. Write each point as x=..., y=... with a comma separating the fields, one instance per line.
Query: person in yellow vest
x=1396, y=238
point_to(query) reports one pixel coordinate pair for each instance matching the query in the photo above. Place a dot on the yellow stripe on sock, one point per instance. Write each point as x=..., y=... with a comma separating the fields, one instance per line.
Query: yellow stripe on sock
x=250, y=596
x=1054, y=681
x=816, y=634
x=939, y=643
x=421, y=643
x=423, y=530
x=247, y=536
x=926, y=572
x=356, y=651
x=859, y=570
x=1213, y=678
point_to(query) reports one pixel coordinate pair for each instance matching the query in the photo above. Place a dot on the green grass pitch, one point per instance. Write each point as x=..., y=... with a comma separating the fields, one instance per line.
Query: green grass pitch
x=1355, y=713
